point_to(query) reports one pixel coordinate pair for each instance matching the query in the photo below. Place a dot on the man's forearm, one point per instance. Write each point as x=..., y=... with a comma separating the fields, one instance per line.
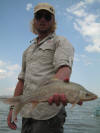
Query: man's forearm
x=19, y=88
x=63, y=73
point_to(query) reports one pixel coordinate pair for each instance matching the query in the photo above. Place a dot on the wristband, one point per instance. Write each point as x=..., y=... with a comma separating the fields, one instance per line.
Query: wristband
x=66, y=80
x=11, y=107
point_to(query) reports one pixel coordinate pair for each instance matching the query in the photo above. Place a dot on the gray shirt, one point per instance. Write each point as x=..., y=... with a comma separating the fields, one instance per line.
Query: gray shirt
x=40, y=62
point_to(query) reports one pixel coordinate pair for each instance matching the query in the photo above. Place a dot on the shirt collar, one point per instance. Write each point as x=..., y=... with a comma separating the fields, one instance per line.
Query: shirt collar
x=51, y=35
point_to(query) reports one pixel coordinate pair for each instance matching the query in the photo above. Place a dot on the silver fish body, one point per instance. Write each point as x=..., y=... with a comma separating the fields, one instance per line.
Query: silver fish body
x=74, y=93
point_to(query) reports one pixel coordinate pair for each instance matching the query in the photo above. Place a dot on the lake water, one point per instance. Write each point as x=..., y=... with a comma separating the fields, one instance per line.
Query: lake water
x=80, y=119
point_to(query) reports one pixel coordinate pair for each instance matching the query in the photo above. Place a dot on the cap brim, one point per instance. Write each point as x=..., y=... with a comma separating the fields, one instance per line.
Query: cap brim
x=43, y=9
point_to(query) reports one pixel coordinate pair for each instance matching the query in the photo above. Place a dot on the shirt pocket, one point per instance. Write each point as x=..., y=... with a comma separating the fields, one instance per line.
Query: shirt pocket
x=46, y=52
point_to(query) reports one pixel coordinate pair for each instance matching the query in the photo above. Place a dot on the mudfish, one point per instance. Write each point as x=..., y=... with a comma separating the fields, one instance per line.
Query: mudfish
x=74, y=93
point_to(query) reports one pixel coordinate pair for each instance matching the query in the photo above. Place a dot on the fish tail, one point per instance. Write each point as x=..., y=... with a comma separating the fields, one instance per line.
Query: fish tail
x=16, y=101
x=17, y=108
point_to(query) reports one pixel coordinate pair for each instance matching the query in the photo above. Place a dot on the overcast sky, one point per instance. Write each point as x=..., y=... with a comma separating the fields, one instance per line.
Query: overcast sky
x=77, y=20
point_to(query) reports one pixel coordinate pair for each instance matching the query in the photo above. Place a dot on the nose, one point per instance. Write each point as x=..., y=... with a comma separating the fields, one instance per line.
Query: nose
x=42, y=18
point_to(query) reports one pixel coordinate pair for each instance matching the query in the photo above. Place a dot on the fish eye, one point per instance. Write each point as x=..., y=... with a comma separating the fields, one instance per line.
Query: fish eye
x=87, y=95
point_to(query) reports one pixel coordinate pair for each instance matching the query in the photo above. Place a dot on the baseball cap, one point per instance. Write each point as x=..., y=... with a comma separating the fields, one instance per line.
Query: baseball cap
x=44, y=6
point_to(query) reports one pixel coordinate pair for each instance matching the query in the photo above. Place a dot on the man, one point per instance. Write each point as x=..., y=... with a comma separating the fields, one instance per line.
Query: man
x=49, y=56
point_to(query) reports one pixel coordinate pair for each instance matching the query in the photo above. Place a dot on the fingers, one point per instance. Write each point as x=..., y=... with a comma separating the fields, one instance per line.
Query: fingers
x=80, y=103
x=50, y=100
x=63, y=99
x=11, y=125
x=54, y=99
x=58, y=98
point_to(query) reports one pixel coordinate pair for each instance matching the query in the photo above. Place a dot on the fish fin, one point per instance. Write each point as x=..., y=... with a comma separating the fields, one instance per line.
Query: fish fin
x=16, y=101
x=11, y=101
x=73, y=105
x=34, y=104
x=17, y=109
x=77, y=100
x=19, y=106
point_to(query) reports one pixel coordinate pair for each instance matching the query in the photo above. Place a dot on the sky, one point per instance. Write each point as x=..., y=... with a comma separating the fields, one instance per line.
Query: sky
x=77, y=20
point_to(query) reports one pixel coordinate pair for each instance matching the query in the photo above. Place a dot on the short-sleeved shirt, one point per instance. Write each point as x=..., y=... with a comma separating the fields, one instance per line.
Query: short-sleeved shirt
x=40, y=62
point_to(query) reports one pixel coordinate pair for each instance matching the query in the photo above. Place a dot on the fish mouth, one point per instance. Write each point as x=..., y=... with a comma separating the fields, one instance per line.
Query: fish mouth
x=95, y=97
x=90, y=98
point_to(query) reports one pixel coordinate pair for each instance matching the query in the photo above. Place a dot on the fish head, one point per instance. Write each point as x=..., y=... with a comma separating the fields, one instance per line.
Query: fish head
x=87, y=95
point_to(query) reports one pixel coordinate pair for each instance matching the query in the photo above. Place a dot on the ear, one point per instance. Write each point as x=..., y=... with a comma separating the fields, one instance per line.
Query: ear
x=34, y=21
x=53, y=18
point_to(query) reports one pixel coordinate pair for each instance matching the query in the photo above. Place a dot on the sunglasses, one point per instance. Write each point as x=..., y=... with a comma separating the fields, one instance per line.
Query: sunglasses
x=39, y=15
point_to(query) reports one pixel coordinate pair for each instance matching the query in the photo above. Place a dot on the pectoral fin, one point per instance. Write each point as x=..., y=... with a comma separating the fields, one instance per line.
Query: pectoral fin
x=17, y=109
x=77, y=100
x=73, y=105
x=34, y=104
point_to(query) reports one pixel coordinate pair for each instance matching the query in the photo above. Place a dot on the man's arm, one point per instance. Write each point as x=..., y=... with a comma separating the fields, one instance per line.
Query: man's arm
x=63, y=73
x=19, y=88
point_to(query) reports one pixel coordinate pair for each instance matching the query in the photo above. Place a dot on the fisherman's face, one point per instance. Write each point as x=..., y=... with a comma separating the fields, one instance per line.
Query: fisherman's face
x=43, y=21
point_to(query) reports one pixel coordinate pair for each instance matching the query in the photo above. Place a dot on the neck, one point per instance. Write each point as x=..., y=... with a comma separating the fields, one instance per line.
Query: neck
x=42, y=36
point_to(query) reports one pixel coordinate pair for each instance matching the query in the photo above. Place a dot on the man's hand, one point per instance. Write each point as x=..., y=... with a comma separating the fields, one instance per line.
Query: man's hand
x=57, y=99
x=63, y=73
x=11, y=124
x=80, y=103
x=60, y=98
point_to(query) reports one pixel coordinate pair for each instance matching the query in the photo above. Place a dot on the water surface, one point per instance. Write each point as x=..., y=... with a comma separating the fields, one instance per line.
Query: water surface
x=80, y=119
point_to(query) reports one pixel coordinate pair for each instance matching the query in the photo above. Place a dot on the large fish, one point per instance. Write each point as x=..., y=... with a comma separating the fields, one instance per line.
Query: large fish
x=74, y=92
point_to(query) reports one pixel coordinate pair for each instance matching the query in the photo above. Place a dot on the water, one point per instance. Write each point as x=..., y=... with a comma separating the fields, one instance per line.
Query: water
x=81, y=119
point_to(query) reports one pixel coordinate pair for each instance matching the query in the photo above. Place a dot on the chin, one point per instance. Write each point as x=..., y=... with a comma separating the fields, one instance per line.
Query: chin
x=43, y=31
